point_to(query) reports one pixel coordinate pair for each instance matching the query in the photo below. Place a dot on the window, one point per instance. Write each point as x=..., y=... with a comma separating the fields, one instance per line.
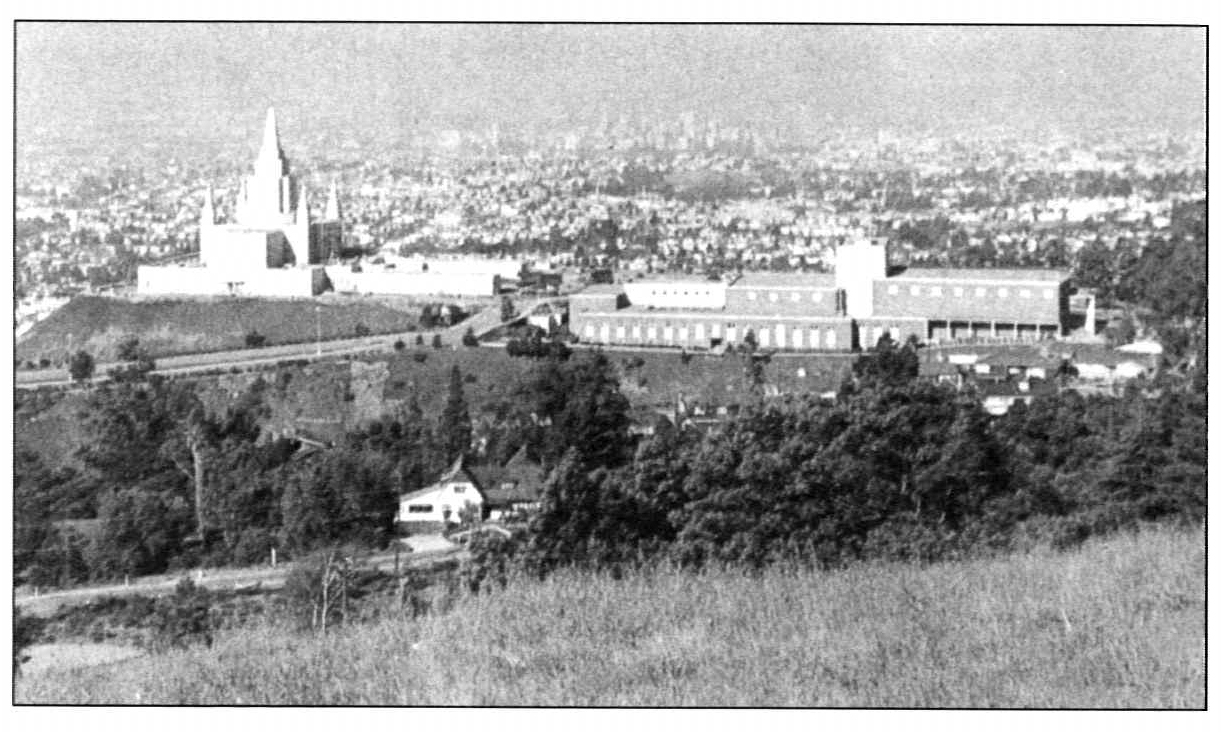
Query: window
x=1002, y=292
x=1048, y=294
x=915, y=289
x=816, y=297
x=935, y=291
x=773, y=296
x=1024, y=292
x=420, y=508
x=752, y=295
x=460, y=488
x=830, y=339
x=981, y=292
x=892, y=290
x=795, y=297
x=957, y=292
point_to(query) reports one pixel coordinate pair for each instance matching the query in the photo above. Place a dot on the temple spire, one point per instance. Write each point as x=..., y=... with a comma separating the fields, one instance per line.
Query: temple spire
x=271, y=134
x=332, y=204
x=271, y=162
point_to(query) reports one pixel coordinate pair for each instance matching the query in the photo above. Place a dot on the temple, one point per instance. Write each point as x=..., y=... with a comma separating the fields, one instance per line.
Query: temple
x=271, y=248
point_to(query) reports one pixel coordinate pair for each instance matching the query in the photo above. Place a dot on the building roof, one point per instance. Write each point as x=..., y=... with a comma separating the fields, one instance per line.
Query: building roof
x=718, y=314
x=600, y=290
x=784, y=280
x=982, y=274
x=456, y=472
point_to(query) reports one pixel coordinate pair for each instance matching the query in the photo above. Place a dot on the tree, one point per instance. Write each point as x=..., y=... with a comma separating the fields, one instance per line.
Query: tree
x=129, y=349
x=319, y=590
x=468, y=338
x=887, y=364
x=428, y=319
x=80, y=366
x=580, y=401
x=454, y=427
x=142, y=529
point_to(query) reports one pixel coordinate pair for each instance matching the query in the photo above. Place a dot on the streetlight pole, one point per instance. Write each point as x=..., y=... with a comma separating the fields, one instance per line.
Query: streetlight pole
x=318, y=330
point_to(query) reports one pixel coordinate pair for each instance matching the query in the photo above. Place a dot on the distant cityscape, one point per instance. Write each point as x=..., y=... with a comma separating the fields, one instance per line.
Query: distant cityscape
x=681, y=195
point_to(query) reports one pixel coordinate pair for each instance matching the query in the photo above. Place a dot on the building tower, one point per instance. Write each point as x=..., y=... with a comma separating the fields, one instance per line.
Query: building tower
x=327, y=234
x=857, y=265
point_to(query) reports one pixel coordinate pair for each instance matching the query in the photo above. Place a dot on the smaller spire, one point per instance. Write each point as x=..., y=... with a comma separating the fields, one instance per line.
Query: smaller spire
x=302, y=212
x=332, y=204
x=208, y=215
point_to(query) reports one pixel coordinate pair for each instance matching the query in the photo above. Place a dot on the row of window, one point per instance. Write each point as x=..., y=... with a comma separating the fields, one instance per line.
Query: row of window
x=779, y=336
x=1001, y=292
x=663, y=293
x=815, y=296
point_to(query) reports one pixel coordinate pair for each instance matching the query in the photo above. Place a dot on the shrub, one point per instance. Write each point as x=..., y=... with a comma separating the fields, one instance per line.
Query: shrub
x=80, y=366
x=362, y=330
x=183, y=618
x=468, y=338
x=317, y=590
x=255, y=339
x=419, y=357
x=399, y=345
x=26, y=631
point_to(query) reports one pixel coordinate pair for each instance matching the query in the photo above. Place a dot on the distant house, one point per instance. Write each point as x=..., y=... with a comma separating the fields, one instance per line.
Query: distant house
x=513, y=490
x=442, y=503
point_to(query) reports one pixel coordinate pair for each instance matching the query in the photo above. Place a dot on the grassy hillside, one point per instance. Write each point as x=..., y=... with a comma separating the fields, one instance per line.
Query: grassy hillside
x=169, y=327
x=1119, y=623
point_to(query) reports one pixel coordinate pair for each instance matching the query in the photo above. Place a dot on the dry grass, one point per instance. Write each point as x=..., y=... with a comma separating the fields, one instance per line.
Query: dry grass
x=1118, y=624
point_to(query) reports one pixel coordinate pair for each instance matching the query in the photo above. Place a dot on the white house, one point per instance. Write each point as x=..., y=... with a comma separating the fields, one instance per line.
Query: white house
x=443, y=501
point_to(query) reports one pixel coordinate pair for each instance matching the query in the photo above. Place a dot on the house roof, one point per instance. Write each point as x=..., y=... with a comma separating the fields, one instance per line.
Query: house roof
x=524, y=473
x=457, y=472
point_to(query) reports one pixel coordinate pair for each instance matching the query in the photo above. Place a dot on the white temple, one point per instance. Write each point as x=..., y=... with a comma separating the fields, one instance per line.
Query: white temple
x=271, y=248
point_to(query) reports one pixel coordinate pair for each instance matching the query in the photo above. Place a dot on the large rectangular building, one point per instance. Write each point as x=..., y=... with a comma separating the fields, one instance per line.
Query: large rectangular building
x=852, y=308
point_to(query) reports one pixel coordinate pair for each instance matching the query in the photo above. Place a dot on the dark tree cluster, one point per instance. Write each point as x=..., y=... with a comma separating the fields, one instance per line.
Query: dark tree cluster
x=896, y=469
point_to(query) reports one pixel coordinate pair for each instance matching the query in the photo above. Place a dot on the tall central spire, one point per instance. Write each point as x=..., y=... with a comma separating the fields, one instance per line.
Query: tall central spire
x=270, y=154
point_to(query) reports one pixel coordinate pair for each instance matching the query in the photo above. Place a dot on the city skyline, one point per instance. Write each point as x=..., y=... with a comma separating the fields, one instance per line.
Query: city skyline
x=199, y=81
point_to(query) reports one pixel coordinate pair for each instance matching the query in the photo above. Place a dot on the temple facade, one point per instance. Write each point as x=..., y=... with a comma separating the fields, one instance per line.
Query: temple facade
x=270, y=248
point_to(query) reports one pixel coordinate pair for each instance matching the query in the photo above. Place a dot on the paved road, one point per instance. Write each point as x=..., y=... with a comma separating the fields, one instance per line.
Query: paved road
x=481, y=323
x=46, y=604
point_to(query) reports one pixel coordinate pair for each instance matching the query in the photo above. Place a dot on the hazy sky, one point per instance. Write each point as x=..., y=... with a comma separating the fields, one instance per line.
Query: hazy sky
x=217, y=79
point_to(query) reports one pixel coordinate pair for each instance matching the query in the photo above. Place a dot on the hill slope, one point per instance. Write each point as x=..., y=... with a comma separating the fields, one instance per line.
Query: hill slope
x=1119, y=623
x=168, y=327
